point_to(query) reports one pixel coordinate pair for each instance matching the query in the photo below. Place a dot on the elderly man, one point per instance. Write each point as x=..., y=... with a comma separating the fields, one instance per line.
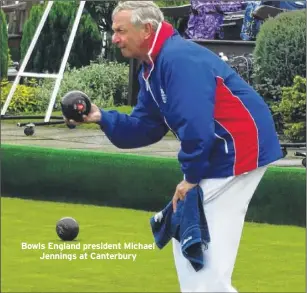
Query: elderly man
x=225, y=129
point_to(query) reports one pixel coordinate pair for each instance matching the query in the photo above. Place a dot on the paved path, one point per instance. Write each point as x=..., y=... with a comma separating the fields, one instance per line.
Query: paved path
x=95, y=140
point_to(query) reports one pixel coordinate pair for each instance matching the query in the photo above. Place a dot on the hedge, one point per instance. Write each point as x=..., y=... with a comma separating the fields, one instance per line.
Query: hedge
x=133, y=181
x=280, y=51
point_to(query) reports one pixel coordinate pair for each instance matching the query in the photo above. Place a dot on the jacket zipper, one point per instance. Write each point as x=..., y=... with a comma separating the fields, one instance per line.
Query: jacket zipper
x=225, y=142
x=149, y=89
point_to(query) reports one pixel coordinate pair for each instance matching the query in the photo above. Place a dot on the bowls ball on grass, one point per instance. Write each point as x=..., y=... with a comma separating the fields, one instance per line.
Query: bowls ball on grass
x=67, y=228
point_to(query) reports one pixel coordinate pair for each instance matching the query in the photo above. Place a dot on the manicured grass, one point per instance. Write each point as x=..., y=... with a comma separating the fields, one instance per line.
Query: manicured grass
x=271, y=258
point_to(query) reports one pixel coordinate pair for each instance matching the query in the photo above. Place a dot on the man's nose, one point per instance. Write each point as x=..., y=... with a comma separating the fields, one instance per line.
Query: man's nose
x=115, y=39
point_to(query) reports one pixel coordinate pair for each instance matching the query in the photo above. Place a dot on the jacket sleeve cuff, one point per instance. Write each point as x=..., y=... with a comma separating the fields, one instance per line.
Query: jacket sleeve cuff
x=105, y=122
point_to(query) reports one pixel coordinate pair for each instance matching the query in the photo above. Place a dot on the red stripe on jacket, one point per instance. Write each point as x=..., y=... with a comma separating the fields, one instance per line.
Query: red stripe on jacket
x=231, y=113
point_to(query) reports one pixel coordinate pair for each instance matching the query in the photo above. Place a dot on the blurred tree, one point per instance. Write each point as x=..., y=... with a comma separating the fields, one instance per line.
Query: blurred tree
x=51, y=44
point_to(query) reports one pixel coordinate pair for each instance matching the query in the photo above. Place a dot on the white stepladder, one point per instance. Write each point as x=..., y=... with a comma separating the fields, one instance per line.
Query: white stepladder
x=29, y=130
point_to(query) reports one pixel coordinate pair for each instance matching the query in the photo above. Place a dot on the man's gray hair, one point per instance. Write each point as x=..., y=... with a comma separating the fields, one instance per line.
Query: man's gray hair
x=142, y=12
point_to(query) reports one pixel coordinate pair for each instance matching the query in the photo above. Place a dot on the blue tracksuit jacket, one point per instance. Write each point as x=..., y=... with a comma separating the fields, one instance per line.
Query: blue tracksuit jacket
x=225, y=128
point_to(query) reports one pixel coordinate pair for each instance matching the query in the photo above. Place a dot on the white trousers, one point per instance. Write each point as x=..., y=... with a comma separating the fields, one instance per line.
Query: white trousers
x=225, y=205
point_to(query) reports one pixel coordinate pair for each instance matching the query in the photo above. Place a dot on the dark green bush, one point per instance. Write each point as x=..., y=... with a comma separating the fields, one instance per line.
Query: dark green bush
x=279, y=56
x=106, y=83
x=3, y=46
x=50, y=47
x=280, y=52
x=292, y=109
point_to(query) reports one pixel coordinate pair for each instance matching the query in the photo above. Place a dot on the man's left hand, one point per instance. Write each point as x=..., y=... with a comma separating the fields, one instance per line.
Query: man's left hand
x=181, y=190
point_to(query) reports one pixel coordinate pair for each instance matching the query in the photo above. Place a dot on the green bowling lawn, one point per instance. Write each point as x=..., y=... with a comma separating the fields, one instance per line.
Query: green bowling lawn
x=271, y=258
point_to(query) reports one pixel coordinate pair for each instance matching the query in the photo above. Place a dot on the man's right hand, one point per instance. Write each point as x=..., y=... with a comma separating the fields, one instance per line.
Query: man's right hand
x=93, y=116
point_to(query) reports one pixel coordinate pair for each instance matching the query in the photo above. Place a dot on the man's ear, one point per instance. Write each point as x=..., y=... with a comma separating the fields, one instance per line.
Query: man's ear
x=148, y=30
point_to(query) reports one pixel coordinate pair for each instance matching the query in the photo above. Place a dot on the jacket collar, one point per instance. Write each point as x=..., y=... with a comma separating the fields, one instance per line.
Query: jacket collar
x=165, y=30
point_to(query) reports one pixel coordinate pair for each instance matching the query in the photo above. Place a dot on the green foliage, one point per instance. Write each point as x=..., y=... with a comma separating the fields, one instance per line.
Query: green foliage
x=101, y=12
x=170, y=3
x=3, y=46
x=280, y=53
x=279, y=56
x=24, y=99
x=292, y=109
x=121, y=109
x=36, y=61
x=50, y=47
x=272, y=94
x=106, y=83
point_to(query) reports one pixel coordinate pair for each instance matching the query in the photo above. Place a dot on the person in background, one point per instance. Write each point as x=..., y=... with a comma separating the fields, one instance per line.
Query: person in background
x=251, y=25
x=207, y=17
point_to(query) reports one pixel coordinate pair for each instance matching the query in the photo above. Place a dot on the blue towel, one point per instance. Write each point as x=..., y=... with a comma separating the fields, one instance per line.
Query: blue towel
x=188, y=225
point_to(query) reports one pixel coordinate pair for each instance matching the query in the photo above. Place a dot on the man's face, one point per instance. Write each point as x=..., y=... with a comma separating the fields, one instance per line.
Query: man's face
x=132, y=40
